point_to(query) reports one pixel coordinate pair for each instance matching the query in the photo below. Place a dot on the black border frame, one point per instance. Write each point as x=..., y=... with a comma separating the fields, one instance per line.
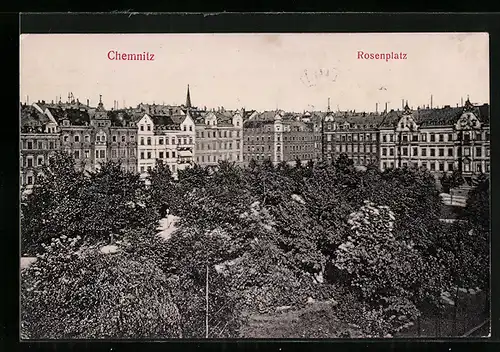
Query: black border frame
x=224, y=23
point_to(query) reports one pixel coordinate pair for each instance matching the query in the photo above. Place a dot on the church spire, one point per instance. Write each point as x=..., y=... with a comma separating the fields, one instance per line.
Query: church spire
x=468, y=105
x=407, y=110
x=328, y=108
x=188, y=98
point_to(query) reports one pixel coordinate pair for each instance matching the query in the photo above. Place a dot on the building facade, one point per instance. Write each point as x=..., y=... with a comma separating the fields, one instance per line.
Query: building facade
x=279, y=136
x=39, y=140
x=353, y=134
x=440, y=140
x=219, y=136
x=170, y=139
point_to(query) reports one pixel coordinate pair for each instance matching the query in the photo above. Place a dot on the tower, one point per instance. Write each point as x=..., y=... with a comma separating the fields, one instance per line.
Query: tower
x=188, y=98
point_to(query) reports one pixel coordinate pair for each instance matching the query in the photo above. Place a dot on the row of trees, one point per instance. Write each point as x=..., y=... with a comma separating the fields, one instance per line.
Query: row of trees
x=263, y=235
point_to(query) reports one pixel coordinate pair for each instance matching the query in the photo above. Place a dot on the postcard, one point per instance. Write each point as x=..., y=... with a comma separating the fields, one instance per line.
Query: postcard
x=257, y=185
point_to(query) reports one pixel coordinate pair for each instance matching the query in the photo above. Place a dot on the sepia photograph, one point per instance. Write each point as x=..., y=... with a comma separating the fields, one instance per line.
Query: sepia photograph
x=254, y=185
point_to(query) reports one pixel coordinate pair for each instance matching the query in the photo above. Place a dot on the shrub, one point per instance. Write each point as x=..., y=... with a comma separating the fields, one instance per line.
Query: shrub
x=74, y=291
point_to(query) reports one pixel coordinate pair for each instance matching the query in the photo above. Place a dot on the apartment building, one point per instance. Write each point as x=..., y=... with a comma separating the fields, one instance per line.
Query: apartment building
x=219, y=136
x=279, y=136
x=170, y=139
x=440, y=140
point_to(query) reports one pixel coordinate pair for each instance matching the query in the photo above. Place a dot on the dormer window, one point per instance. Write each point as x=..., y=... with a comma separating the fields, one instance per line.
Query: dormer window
x=66, y=123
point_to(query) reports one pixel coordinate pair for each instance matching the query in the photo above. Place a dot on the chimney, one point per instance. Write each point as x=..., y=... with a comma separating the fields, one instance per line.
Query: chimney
x=431, y=101
x=87, y=102
x=376, y=108
x=386, y=107
x=462, y=101
x=402, y=104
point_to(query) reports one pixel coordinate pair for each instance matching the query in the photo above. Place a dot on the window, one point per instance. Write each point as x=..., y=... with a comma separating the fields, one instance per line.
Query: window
x=29, y=162
x=441, y=138
x=450, y=137
x=123, y=138
x=441, y=151
x=191, y=128
x=450, y=151
x=149, y=127
x=414, y=138
x=114, y=138
x=488, y=151
x=190, y=140
x=51, y=145
x=184, y=140
x=102, y=154
x=384, y=151
x=87, y=154
x=202, y=134
x=415, y=151
x=149, y=140
x=142, y=129
x=77, y=154
x=479, y=152
x=478, y=136
x=433, y=152
x=142, y=140
x=405, y=151
x=160, y=141
x=433, y=166
x=433, y=139
x=384, y=138
x=173, y=154
x=167, y=155
x=113, y=153
x=161, y=155
x=391, y=138
x=450, y=166
x=441, y=167
x=142, y=167
x=149, y=155
x=97, y=154
x=39, y=161
x=384, y=166
x=479, y=168
x=405, y=138
x=487, y=167
x=142, y=155
x=103, y=138
x=30, y=180
x=467, y=151
x=65, y=138
x=184, y=128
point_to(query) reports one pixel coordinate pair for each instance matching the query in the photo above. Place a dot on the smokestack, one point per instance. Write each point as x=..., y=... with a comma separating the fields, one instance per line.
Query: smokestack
x=431, y=101
x=386, y=107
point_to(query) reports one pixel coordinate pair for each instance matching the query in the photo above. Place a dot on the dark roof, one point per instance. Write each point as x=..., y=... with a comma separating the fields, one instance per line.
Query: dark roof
x=121, y=117
x=30, y=116
x=75, y=116
x=257, y=123
x=445, y=116
x=165, y=122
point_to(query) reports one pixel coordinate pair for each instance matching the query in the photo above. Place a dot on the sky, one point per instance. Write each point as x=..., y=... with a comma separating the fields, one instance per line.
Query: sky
x=289, y=71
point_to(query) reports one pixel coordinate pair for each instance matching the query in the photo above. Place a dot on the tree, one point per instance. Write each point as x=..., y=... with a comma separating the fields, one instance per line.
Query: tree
x=163, y=190
x=117, y=201
x=55, y=206
x=75, y=291
x=477, y=209
x=385, y=272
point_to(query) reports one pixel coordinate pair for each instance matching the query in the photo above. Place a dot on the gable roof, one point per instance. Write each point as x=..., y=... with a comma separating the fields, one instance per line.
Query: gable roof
x=75, y=116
